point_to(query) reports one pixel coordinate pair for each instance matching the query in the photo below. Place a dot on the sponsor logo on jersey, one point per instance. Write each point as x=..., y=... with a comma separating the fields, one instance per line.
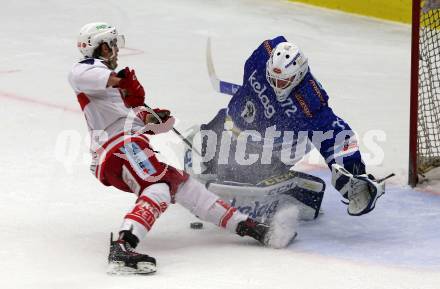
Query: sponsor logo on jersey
x=249, y=112
x=138, y=160
x=305, y=108
x=317, y=91
x=267, y=46
x=260, y=89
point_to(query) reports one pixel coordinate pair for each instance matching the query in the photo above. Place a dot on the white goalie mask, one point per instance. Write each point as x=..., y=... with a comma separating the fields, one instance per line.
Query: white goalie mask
x=92, y=35
x=285, y=69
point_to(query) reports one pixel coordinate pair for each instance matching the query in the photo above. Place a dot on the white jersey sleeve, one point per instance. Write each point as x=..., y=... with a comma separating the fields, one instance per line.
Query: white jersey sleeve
x=104, y=109
x=91, y=79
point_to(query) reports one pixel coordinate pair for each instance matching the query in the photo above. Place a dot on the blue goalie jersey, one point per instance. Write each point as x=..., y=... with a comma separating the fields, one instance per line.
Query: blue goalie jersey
x=254, y=107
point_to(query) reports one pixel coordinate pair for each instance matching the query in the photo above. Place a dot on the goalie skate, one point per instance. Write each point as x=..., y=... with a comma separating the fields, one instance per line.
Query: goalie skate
x=123, y=260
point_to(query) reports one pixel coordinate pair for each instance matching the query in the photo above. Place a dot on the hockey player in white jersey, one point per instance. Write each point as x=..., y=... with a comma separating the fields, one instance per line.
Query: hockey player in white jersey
x=118, y=122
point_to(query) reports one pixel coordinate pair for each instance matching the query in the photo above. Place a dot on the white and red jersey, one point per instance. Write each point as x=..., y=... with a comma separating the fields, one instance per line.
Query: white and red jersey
x=108, y=119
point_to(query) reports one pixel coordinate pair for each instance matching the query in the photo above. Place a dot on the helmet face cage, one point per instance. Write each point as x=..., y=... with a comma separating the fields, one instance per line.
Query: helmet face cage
x=278, y=81
x=118, y=42
x=285, y=69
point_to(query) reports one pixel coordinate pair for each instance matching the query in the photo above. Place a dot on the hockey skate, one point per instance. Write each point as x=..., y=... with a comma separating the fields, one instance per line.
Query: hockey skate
x=253, y=229
x=124, y=260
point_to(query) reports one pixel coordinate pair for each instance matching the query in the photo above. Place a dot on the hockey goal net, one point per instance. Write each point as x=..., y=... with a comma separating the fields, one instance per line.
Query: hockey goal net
x=425, y=90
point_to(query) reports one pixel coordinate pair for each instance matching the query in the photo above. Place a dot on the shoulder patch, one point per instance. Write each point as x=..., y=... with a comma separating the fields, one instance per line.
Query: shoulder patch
x=88, y=61
x=267, y=46
x=317, y=92
x=305, y=108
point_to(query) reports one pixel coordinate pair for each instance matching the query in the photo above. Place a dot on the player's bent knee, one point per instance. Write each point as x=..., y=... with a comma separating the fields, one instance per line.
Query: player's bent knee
x=208, y=206
x=159, y=193
x=195, y=197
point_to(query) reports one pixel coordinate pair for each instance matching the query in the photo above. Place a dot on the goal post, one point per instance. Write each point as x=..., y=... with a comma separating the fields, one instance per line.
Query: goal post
x=424, y=136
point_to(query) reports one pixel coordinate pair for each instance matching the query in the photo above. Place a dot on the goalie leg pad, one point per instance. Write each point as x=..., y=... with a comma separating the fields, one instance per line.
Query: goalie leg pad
x=261, y=201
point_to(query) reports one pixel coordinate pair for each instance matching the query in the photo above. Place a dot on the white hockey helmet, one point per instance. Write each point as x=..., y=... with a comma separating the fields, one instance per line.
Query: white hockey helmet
x=285, y=69
x=93, y=34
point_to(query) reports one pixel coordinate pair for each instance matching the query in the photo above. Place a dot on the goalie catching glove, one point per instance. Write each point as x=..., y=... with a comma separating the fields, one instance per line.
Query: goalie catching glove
x=362, y=191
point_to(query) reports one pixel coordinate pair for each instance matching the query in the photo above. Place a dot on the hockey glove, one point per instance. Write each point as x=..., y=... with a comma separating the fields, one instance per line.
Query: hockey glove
x=152, y=124
x=159, y=115
x=135, y=94
x=155, y=116
x=362, y=191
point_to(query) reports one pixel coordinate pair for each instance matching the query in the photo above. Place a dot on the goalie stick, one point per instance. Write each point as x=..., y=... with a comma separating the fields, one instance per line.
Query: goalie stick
x=219, y=85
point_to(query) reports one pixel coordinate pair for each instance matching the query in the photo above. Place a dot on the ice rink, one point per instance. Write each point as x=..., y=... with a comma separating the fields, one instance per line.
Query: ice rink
x=56, y=218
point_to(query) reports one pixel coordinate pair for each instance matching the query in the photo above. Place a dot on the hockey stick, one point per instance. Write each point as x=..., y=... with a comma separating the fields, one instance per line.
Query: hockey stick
x=184, y=139
x=218, y=85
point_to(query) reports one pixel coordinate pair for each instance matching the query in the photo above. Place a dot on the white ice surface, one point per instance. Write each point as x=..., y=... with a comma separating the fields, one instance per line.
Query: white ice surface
x=55, y=218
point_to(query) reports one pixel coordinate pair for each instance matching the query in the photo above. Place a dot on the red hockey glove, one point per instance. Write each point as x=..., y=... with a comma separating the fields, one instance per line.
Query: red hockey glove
x=163, y=114
x=148, y=117
x=135, y=94
x=152, y=124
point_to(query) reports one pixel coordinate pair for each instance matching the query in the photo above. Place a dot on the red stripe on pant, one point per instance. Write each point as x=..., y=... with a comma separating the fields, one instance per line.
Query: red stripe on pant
x=227, y=216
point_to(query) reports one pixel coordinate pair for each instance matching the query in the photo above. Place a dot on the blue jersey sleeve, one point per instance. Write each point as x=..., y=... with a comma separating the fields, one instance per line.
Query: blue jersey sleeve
x=336, y=141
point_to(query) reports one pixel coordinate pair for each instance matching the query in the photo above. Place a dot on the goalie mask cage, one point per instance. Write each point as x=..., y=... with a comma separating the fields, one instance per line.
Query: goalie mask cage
x=424, y=137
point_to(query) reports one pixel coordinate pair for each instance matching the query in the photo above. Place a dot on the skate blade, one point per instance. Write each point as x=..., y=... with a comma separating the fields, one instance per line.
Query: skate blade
x=119, y=268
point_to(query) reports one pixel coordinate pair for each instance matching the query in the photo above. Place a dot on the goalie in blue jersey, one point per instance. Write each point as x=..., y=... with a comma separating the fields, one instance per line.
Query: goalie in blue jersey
x=274, y=118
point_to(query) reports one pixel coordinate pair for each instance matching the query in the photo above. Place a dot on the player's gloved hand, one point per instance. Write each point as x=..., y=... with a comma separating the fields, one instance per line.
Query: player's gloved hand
x=362, y=191
x=159, y=115
x=154, y=116
x=134, y=92
x=152, y=124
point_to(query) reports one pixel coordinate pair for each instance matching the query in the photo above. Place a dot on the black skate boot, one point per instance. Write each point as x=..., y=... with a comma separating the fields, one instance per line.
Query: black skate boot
x=123, y=260
x=253, y=229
